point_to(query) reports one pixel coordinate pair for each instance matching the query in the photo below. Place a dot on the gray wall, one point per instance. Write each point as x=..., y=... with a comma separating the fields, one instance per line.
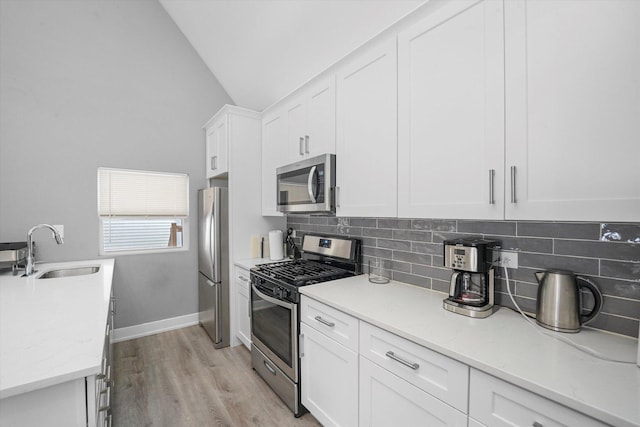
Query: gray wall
x=415, y=251
x=100, y=83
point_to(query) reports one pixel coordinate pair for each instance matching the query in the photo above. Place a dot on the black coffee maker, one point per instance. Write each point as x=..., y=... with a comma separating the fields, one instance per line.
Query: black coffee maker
x=472, y=282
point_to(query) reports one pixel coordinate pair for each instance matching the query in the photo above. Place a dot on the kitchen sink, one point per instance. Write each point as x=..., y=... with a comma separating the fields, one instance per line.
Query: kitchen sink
x=69, y=272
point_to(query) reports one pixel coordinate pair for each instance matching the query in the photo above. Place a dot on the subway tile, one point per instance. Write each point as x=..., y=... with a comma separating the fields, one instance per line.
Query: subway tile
x=377, y=252
x=617, y=232
x=323, y=220
x=426, y=248
x=607, y=250
x=503, y=228
x=419, y=236
x=348, y=230
x=617, y=287
x=327, y=229
x=524, y=289
x=298, y=219
x=368, y=241
x=441, y=286
x=437, y=260
x=378, y=232
x=616, y=324
x=546, y=262
x=439, y=237
x=308, y=227
x=394, y=223
x=620, y=269
x=433, y=272
x=424, y=282
x=412, y=257
x=400, y=245
x=364, y=222
x=528, y=305
x=403, y=267
x=343, y=221
x=525, y=244
x=434, y=225
x=332, y=220
x=562, y=230
x=621, y=307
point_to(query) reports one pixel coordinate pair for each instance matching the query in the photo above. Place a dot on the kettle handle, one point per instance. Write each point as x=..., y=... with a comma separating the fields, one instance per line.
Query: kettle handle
x=597, y=295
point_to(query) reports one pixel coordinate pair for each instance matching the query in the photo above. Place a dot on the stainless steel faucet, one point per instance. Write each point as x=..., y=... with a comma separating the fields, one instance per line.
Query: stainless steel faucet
x=30, y=264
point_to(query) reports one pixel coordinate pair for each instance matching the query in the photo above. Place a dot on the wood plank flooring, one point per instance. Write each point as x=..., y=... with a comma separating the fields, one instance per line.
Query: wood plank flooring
x=178, y=379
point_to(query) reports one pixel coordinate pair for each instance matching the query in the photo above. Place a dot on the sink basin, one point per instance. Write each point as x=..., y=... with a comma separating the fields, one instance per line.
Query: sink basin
x=69, y=272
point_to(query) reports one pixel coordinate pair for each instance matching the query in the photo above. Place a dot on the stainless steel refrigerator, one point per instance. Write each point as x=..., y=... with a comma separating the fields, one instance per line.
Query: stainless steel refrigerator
x=213, y=263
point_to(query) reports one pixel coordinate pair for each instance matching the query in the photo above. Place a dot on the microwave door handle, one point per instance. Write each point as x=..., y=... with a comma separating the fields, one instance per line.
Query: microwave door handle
x=310, y=189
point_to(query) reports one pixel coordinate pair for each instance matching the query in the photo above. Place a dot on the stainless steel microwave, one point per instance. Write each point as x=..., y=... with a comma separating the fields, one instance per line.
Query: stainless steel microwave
x=307, y=186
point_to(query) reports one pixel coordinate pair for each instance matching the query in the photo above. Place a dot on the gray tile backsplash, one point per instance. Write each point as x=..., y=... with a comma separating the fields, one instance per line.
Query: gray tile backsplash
x=608, y=253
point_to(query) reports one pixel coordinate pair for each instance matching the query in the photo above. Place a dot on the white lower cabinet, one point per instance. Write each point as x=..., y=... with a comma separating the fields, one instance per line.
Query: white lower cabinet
x=243, y=309
x=388, y=400
x=329, y=377
x=494, y=402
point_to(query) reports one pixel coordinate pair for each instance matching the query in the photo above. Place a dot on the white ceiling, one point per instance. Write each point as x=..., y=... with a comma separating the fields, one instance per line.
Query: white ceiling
x=261, y=50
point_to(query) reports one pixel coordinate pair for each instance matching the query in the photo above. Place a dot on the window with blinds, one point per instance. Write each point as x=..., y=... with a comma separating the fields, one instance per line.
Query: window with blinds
x=142, y=211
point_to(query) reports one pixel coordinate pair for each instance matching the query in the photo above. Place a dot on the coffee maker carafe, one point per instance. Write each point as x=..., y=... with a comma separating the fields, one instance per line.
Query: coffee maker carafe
x=471, y=292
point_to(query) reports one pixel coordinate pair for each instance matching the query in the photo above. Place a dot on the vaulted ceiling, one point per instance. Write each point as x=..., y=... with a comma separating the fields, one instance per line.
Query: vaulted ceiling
x=261, y=50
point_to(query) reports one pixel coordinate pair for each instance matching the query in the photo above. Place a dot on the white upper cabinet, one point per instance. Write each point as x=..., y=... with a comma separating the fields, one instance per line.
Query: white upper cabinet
x=573, y=110
x=311, y=121
x=274, y=139
x=216, y=149
x=450, y=113
x=366, y=145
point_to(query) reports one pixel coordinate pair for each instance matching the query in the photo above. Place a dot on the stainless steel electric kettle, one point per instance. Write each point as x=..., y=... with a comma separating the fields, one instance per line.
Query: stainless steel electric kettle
x=559, y=302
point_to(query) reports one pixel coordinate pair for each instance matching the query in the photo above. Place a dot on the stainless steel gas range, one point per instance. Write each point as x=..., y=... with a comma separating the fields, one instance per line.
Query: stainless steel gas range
x=275, y=308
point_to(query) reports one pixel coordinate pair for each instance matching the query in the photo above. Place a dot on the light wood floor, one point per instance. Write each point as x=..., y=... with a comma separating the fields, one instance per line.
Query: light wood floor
x=178, y=379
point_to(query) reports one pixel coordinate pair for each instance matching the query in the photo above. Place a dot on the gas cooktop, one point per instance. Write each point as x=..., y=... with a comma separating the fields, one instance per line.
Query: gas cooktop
x=301, y=272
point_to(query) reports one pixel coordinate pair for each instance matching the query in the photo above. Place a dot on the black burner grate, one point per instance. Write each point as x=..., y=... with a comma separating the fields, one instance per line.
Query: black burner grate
x=302, y=272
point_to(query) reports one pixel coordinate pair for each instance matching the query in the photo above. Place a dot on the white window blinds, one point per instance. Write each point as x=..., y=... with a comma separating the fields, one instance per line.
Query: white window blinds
x=127, y=193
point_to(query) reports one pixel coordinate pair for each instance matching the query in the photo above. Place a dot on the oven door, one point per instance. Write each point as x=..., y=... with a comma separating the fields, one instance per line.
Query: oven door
x=274, y=330
x=307, y=186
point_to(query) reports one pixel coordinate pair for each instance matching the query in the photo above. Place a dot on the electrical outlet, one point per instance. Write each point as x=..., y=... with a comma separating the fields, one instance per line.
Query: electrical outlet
x=505, y=259
x=60, y=229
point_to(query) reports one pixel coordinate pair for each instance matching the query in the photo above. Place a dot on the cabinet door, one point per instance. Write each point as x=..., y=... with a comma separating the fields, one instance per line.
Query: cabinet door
x=320, y=136
x=387, y=400
x=296, y=113
x=366, y=145
x=451, y=113
x=572, y=102
x=217, y=139
x=329, y=379
x=274, y=134
x=243, y=313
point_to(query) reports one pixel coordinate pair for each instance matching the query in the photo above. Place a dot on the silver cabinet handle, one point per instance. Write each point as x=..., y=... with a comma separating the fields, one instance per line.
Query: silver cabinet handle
x=393, y=356
x=325, y=322
x=536, y=424
x=513, y=184
x=243, y=279
x=306, y=144
x=337, y=193
x=301, y=146
x=492, y=174
x=249, y=311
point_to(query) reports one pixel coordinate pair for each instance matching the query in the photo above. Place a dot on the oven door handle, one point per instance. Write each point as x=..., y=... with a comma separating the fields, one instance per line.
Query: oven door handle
x=272, y=300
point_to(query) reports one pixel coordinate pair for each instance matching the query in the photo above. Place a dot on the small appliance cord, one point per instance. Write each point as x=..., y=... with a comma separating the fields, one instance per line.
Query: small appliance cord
x=580, y=347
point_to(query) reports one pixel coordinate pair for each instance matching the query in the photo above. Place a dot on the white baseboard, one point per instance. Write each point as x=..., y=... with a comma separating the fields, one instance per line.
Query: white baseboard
x=151, y=328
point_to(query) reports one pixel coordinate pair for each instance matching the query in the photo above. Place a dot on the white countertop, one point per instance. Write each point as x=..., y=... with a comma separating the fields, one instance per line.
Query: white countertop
x=503, y=345
x=52, y=330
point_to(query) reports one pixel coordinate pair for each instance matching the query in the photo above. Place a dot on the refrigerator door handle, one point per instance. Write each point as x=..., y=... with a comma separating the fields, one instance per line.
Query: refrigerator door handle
x=215, y=240
x=218, y=314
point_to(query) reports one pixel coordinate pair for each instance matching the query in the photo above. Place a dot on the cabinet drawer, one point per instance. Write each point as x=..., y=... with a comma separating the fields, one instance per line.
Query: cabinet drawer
x=241, y=277
x=340, y=326
x=497, y=403
x=388, y=400
x=439, y=375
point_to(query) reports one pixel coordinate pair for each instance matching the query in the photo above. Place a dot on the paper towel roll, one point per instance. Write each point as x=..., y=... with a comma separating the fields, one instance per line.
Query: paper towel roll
x=276, y=245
